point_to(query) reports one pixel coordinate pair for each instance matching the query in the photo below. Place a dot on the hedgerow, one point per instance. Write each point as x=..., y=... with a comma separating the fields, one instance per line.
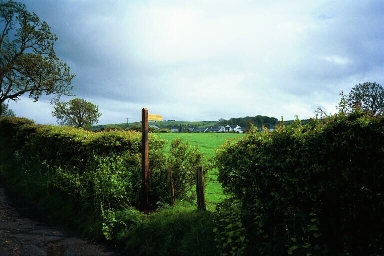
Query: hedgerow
x=313, y=189
x=178, y=230
x=85, y=179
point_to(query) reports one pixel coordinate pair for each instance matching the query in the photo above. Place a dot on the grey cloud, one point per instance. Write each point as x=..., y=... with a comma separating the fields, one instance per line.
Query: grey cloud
x=275, y=58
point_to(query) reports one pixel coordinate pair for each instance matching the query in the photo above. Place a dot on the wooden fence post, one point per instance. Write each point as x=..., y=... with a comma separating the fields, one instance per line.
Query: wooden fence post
x=145, y=161
x=200, y=188
x=171, y=186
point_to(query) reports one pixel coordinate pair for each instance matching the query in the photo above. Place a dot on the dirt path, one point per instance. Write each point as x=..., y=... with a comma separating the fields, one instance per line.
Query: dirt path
x=23, y=231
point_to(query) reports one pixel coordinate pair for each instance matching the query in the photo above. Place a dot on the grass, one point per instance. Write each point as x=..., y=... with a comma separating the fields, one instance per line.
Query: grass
x=208, y=143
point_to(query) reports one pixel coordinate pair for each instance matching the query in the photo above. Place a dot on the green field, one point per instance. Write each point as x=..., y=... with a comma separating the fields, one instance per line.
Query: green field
x=208, y=143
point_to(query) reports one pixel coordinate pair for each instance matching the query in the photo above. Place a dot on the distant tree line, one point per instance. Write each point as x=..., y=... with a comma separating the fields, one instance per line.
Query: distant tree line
x=246, y=122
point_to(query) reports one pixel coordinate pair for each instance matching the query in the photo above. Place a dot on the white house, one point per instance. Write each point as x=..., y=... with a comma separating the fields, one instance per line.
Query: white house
x=233, y=128
x=237, y=129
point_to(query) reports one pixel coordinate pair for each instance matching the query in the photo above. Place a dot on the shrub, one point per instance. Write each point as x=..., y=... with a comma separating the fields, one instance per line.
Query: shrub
x=91, y=177
x=183, y=160
x=175, y=230
x=311, y=189
x=230, y=234
x=93, y=174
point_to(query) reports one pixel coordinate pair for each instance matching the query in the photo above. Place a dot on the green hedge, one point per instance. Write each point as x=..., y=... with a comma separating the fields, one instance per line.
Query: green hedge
x=314, y=189
x=92, y=181
x=73, y=172
x=178, y=230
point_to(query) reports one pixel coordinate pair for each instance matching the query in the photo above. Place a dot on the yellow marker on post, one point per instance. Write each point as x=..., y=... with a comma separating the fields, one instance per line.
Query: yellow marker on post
x=155, y=117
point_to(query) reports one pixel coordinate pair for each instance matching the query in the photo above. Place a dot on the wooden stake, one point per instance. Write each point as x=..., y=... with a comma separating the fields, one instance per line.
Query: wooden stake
x=171, y=186
x=200, y=188
x=145, y=160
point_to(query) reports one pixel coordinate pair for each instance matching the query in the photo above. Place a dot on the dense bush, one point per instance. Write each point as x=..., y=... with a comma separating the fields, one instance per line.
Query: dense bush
x=183, y=161
x=92, y=176
x=230, y=234
x=178, y=230
x=313, y=189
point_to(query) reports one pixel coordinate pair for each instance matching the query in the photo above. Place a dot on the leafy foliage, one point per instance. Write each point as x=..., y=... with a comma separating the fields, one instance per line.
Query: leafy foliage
x=28, y=62
x=77, y=112
x=170, y=231
x=6, y=111
x=311, y=189
x=183, y=160
x=367, y=96
x=230, y=234
x=93, y=176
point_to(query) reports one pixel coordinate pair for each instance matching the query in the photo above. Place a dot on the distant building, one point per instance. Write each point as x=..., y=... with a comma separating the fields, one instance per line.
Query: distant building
x=237, y=129
x=154, y=127
x=233, y=128
x=200, y=129
x=228, y=128
x=215, y=129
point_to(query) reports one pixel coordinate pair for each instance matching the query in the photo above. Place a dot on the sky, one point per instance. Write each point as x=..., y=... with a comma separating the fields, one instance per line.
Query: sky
x=198, y=60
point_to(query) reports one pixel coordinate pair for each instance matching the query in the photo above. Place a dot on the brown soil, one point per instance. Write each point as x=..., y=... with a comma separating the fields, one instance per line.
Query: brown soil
x=24, y=230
